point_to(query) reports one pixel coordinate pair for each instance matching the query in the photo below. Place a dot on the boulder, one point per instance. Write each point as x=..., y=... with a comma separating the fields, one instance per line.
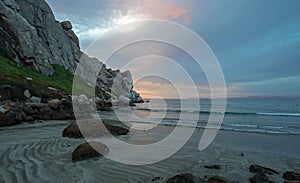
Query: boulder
x=8, y=119
x=217, y=167
x=259, y=178
x=89, y=150
x=54, y=104
x=219, y=179
x=27, y=94
x=182, y=178
x=45, y=113
x=3, y=110
x=36, y=100
x=29, y=111
x=72, y=131
x=11, y=115
x=289, y=175
x=261, y=169
x=93, y=129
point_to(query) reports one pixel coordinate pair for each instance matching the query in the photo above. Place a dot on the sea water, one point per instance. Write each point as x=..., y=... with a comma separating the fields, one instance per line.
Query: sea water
x=274, y=116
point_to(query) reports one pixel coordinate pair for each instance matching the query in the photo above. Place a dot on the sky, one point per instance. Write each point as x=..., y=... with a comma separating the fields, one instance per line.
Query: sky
x=257, y=43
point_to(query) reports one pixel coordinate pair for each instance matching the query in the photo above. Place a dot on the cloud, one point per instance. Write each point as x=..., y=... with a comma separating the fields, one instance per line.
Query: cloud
x=93, y=19
x=257, y=42
x=166, y=9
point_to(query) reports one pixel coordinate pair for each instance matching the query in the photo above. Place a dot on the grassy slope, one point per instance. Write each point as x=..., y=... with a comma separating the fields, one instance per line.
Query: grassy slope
x=13, y=74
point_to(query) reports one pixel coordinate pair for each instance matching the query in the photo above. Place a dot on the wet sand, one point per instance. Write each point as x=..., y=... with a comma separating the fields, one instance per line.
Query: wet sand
x=38, y=153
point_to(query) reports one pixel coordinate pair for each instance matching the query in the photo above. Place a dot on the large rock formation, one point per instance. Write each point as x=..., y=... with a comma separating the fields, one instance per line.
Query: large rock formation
x=31, y=36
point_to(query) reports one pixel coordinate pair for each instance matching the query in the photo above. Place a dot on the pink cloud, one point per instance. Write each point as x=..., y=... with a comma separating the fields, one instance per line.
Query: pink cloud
x=164, y=9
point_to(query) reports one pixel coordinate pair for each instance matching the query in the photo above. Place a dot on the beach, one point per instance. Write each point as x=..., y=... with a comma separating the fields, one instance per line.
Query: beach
x=38, y=153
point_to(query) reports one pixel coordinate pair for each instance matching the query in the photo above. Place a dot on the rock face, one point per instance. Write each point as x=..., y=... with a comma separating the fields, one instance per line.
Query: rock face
x=89, y=150
x=31, y=36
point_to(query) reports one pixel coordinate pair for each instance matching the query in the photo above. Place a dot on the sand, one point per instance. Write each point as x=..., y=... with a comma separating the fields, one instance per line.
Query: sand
x=38, y=153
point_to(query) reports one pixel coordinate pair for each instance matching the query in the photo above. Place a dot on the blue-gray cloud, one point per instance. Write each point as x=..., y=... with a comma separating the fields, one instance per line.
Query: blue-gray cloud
x=257, y=42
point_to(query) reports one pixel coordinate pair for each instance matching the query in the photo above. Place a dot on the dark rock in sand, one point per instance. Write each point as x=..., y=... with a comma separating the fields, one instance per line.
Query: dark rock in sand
x=261, y=169
x=89, y=150
x=115, y=130
x=217, y=167
x=218, y=179
x=289, y=175
x=92, y=129
x=259, y=178
x=182, y=178
x=72, y=131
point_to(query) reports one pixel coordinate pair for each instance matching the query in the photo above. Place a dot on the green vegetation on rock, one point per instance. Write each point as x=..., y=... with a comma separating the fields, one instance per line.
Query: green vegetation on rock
x=21, y=78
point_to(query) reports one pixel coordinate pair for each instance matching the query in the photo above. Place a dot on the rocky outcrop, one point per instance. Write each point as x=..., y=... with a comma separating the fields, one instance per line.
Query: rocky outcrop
x=31, y=36
x=89, y=150
x=15, y=113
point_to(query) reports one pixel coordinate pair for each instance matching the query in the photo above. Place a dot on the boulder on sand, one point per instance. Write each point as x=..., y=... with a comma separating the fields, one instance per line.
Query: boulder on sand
x=259, y=178
x=182, y=178
x=89, y=150
x=260, y=169
x=92, y=128
x=289, y=175
x=216, y=167
x=219, y=179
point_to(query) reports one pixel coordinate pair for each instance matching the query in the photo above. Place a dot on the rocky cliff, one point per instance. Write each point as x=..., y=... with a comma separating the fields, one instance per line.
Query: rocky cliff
x=30, y=35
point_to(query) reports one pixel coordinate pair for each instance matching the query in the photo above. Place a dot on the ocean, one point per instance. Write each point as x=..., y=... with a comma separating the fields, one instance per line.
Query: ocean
x=272, y=116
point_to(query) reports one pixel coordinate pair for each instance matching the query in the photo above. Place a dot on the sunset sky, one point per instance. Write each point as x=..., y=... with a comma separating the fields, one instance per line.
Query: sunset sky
x=256, y=42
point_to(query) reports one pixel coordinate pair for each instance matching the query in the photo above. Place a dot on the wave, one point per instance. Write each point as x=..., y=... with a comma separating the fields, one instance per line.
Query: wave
x=231, y=113
x=280, y=114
